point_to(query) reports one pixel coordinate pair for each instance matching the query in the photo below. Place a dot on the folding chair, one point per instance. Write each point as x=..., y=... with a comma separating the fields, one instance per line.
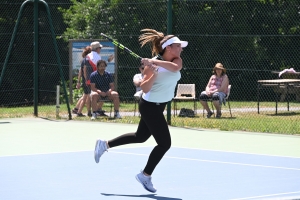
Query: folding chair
x=227, y=101
x=185, y=92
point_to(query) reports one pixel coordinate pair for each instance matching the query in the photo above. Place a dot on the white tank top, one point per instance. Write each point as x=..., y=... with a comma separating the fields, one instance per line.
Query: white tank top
x=163, y=87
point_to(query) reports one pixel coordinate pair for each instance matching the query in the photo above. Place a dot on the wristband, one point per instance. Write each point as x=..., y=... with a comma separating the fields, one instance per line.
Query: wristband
x=88, y=82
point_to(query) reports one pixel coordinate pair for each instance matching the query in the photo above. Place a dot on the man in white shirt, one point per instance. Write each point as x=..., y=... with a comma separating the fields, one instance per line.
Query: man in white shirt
x=137, y=80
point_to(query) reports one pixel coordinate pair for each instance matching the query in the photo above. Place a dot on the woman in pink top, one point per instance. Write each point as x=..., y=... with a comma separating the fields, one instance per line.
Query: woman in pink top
x=216, y=89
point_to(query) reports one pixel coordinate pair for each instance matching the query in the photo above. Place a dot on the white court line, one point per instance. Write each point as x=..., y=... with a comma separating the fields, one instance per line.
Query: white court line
x=270, y=195
x=238, y=152
x=57, y=152
x=213, y=161
x=133, y=147
x=152, y=146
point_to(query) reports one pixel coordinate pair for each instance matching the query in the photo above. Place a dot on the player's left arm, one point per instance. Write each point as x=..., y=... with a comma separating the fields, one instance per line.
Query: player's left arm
x=173, y=66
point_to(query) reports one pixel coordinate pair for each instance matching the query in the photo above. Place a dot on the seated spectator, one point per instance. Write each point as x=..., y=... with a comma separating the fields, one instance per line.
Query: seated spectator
x=102, y=87
x=137, y=80
x=216, y=89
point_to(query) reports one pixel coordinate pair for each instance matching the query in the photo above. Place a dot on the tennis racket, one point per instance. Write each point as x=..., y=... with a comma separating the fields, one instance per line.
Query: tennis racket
x=121, y=46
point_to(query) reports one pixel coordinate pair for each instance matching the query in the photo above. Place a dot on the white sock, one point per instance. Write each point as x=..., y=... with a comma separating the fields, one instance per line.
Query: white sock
x=105, y=145
x=146, y=175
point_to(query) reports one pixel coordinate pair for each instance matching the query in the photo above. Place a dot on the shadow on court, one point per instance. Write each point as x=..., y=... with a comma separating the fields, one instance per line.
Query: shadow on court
x=4, y=122
x=150, y=196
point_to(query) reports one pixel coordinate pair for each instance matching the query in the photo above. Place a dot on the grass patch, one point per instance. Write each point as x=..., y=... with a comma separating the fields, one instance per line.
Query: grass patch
x=251, y=122
x=245, y=116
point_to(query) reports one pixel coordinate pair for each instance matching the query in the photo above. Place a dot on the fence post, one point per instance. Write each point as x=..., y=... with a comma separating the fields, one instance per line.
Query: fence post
x=169, y=31
x=36, y=57
x=57, y=57
x=57, y=101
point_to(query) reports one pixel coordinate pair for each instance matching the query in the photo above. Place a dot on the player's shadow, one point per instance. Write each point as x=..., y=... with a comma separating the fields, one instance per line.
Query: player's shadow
x=150, y=196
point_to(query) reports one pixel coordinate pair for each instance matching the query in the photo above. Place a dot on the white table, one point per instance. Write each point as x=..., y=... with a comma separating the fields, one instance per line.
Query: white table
x=287, y=83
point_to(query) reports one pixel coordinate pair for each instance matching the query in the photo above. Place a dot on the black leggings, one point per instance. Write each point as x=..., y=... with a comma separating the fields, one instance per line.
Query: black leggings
x=152, y=123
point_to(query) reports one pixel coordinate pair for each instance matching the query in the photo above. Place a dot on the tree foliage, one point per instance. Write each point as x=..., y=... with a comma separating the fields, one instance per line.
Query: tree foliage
x=251, y=38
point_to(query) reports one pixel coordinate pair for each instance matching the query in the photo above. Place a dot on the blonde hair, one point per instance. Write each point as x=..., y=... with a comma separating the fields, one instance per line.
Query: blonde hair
x=155, y=38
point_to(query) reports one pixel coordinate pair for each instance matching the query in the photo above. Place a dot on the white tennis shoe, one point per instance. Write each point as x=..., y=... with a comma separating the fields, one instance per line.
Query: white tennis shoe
x=100, y=148
x=94, y=116
x=117, y=115
x=145, y=181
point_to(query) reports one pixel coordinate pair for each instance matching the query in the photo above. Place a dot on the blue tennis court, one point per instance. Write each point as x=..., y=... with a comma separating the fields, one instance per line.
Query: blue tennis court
x=60, y=165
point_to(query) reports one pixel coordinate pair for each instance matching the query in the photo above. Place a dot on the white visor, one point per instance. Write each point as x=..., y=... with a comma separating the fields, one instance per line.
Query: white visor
x=174, y=40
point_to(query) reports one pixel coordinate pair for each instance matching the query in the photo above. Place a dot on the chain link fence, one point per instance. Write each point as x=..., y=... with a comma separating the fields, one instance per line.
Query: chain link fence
x=254, y=40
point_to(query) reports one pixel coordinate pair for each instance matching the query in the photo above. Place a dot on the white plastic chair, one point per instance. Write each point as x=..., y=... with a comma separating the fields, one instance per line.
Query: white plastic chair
x=185, y=92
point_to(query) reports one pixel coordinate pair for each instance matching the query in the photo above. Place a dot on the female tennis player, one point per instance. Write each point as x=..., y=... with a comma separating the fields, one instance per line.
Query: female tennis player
x=161, y=75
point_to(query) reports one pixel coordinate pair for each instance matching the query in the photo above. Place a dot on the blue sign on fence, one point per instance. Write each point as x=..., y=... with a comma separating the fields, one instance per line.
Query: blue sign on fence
x=76, y=48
